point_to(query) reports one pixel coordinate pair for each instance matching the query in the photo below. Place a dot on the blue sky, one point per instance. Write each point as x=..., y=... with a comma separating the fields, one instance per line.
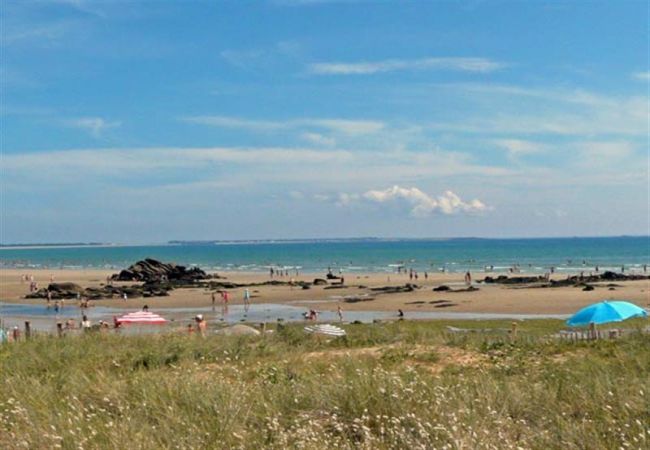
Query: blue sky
x=129, y=121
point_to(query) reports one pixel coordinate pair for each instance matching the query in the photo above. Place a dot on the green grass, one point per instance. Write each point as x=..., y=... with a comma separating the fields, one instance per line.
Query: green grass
x=394, y=385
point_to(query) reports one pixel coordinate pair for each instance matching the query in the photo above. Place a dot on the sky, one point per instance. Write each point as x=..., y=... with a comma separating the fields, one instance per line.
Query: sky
x=142, y=122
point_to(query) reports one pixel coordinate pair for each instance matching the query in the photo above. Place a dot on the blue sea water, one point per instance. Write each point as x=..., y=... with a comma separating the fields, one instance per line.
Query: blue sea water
x=454, y=255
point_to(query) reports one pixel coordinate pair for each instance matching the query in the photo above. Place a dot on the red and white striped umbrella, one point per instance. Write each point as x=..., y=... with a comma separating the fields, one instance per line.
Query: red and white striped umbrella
x=143, y=317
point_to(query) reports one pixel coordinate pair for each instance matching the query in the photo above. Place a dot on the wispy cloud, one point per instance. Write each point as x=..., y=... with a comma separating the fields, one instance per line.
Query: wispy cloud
x=424, y=205
x=557, y=112
x=318, y=139
x=641, y=76
x=156, y=159
x=478, y=65
x=42, y=33
x=256, y=57
x=519, y=147
x=96, y=126
x=351, y=127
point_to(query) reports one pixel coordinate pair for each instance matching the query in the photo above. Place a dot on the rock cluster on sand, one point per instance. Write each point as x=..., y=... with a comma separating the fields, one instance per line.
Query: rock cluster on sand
x=574, y=280
x=504, y=279
x=151, y=270
x=408, y=287
x=72, y=291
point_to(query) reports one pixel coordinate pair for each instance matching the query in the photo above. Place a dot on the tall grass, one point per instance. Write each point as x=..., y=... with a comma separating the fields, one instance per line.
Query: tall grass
x=401, y=385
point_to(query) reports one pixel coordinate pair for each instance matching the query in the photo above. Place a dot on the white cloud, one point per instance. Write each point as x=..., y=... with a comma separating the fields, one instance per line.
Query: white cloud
x=422, y=204
x=96, y=126
x=318, y=139
x=518, y=147
x=156, y=159
x=565, y=112
x=345, y=126
x=243, y=58
x=344, y=199
x=234, y=122
x=479, y=65
x=261, y=57
x=641, y=76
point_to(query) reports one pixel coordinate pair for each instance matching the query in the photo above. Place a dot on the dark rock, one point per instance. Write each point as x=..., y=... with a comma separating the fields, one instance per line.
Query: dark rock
x=73, y=291
x=588, y=288
x=64, y=287
x=444, y=288
x=357, y=298
x=502, y=279
x=320, y=282
x=149, y=270
x=395, y=289
x=575, y=280
x=445, y=305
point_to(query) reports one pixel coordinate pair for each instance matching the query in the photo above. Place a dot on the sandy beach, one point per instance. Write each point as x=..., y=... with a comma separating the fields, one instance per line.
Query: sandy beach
x=491, y=298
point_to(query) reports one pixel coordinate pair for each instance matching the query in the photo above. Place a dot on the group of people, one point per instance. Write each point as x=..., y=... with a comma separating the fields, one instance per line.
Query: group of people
x=200, y=325
x=225, y=298
x=412, y=274
x=273, y=272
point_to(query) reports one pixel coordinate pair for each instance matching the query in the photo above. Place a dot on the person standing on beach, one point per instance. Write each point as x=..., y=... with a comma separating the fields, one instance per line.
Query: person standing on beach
x=214, y=299
x=85, y=323
x=468, y=278
x=339, y=312
x=201, y=324
x=247, y=298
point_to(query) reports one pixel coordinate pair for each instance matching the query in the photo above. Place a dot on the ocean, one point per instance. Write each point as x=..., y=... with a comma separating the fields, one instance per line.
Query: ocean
x=568, y=255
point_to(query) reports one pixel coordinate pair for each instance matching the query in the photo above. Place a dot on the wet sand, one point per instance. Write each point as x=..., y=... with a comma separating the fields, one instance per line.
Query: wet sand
x=493, y=299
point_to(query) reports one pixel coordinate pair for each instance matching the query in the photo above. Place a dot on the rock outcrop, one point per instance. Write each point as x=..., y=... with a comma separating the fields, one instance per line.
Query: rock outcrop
x=574, y=280
x=395, y=289
x=503, y=279
x=66, y=291
x=151, y=270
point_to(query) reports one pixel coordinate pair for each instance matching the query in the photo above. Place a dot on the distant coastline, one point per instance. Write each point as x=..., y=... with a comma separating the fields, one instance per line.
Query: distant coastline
x=52, y=245
x=369, y=239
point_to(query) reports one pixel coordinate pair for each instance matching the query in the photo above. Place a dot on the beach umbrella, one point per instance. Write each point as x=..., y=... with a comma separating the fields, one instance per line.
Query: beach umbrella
x=327, y=330
x=141, y=318
x=605, y=312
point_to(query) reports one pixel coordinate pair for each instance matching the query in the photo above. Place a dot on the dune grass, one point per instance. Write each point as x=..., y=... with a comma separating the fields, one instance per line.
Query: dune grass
x=397, y=385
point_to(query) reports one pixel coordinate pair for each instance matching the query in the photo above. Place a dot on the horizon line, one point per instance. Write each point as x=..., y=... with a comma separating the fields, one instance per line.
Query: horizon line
x=180, y=242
